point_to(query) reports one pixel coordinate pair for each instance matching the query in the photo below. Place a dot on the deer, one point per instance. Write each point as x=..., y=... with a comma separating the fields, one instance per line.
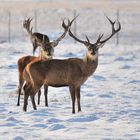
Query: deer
x=71, y=72
x=48, y=51
x=36, y=38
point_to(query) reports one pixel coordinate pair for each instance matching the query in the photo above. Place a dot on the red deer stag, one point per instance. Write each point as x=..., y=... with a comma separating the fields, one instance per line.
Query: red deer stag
x=36, y=38
x=72, y=72
x=48, y=50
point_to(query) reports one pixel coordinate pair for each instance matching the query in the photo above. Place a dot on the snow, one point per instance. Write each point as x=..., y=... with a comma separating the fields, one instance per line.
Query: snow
x=110, y=98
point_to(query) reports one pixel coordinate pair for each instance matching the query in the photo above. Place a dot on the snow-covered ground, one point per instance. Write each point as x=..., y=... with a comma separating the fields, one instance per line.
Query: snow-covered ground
x=110, y=99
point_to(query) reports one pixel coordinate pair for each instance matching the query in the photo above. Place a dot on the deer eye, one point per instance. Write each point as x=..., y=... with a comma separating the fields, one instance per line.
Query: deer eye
x=90, y=49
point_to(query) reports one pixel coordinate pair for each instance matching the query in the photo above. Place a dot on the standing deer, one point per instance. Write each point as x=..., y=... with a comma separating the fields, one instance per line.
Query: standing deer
x=48, y=50
x=36, y=38
x=72, y=72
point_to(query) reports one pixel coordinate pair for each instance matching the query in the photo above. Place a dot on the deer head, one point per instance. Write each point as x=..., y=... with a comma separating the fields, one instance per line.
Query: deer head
x=48, y=47
x=47, y=50
x=93, y=48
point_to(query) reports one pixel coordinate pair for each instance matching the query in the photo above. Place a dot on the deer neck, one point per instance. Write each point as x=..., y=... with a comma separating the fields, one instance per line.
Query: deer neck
x=91, y=63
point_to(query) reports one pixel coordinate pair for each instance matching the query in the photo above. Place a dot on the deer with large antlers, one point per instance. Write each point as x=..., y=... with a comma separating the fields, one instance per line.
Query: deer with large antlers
x=72, y=72
x=48, y=50
x=36, y=38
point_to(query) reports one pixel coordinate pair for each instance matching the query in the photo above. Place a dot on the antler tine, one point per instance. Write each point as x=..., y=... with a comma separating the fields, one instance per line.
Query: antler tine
x=69, y=22
x=112, y=23
x=26, y=23
x=110, y=20
x=119, y=25
x=73, y=19
x=30, y=19
x=87, y=38
x=64, y=25
x=114, y=31
x=99, y=38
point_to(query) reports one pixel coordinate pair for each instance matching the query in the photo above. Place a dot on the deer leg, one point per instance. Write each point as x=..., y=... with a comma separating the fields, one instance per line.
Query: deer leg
x=32, y=96
x=26, y=96
x=78, y=98
x=19, y=89
x=19, y=93
x=33, y=93
x=72, y=92
x=46, y=95
x=25, y=102
x=39, y=94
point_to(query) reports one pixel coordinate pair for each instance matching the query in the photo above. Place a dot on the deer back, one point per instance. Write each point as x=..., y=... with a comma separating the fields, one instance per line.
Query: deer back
x=60, y=72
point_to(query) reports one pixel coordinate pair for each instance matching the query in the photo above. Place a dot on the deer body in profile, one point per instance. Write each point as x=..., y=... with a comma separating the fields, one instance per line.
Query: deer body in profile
x=48, y=50
x=72, y=72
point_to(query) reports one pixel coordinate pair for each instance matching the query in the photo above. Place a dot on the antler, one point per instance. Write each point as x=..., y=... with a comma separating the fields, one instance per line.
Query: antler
x=87, y=42
x=114, y=31
x=79, y=40
x=99, y=41
x=26, y=25
x=65, y=31
x=66, y=27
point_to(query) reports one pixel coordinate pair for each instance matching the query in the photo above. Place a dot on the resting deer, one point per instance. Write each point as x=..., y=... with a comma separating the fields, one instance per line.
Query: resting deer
x=36, y=38
x=48, y=50
x=72, y=72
